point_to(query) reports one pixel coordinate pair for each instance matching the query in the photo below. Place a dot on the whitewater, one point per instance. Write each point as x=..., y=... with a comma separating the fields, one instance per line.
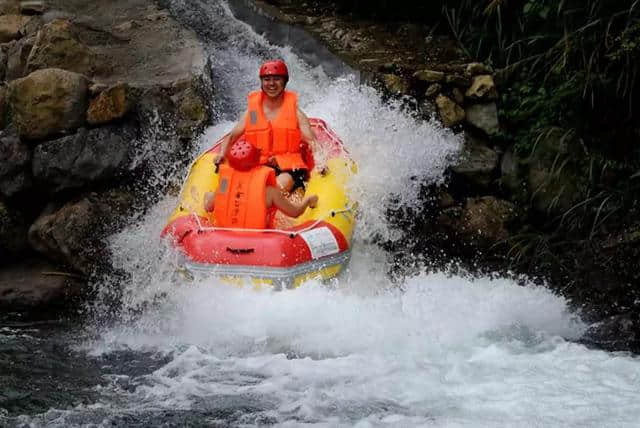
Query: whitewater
x=430, y=349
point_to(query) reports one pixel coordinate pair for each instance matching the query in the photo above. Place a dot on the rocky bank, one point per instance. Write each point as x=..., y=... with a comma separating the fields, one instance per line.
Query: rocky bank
x=94, y=97
x=502, y=210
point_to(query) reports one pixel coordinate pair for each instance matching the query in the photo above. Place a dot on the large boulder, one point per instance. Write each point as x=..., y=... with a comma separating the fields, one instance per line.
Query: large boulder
x=13, y=231
x=48, y=102
x=74, y=234
x=57, y=45
x=15, y=165
x=35, y=283
x=86, y=157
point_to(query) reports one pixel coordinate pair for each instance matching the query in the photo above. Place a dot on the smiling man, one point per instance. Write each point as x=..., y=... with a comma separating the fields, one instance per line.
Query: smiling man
x=274, y=123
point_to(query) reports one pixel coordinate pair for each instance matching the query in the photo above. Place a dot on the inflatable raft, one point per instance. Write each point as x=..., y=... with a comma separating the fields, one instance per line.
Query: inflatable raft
x=315, y=245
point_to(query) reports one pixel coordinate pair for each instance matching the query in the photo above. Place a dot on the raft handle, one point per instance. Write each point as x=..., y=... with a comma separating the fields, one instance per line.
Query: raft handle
x=240, y=250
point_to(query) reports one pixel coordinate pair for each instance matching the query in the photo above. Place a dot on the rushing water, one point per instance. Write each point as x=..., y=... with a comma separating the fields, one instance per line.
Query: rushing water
x=427, y=350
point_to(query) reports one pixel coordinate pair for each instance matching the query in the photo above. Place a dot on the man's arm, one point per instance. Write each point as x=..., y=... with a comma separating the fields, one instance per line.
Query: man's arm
x=277, y=198
x=309, y=137
x=231, y=137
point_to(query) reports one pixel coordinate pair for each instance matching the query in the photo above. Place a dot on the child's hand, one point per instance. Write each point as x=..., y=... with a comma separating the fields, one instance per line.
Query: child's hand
x=312, y=201
x=209, y=201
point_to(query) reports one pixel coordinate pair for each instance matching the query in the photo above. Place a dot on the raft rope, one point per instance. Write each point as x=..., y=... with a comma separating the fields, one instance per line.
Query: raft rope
x=291, y=233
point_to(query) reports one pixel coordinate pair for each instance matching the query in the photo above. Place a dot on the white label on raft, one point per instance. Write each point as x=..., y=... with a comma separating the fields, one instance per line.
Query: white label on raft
x=321, y=242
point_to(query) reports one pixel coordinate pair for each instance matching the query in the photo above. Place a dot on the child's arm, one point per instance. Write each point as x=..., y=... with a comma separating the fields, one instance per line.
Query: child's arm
x=209, y=201
x=277, y=198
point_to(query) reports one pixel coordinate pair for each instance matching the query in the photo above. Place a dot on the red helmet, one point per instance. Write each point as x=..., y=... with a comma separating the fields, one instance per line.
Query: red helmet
x=274, y=68
x=243, y=155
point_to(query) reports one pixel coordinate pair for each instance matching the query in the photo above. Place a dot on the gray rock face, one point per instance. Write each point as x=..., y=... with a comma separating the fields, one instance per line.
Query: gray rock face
x=48, y=102
x=74, y=233
x=15, y=165
x=86, y=157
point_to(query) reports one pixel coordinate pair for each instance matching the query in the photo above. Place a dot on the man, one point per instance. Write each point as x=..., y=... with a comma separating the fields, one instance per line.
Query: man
x=274, y=123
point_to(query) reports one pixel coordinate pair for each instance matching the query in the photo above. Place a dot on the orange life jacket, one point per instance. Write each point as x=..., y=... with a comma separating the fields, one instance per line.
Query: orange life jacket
x=241, y=197
x=280, y=138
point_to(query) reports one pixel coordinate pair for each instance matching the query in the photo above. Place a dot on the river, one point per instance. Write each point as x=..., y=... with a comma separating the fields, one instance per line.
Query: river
x=367, y=350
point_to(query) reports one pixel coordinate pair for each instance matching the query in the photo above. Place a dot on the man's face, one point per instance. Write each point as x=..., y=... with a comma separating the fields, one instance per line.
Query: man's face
x=273, y=86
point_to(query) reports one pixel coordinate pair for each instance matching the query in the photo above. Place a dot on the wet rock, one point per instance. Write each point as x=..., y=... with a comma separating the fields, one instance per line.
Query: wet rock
x=32, y=7
x=429, y=75
x=112, y=103
x=57, y=46
x=13, y=231
x=483, y=117
x=9, y=7
x=458, y=97
x=433, y=90
x=457, y=80
x=617, y=333
x=48, y=102
x=484, y=220
x=74, y=234
x=482, y=87
x=450, y=112
x=4, y=111
x=445, y=200
x=11, y=27
x=17, y=55
x=3, y=64
x=87, y=157
x=34, y=282
x=191, y=112
x=511, y=173
x=477, y=164
x=127, y=26
x=15, y=165
x=475, y=68
x=395, y=84
x=428, y=109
